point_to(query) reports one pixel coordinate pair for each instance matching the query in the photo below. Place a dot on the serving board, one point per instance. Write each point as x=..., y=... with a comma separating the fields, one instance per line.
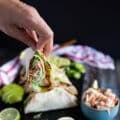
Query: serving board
x=106, y=79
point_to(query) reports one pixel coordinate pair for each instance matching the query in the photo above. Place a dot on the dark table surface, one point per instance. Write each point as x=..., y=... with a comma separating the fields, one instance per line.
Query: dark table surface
x=106, y=79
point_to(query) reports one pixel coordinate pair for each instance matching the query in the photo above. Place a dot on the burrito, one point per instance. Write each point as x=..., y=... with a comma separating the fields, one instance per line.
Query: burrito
x=47, y=84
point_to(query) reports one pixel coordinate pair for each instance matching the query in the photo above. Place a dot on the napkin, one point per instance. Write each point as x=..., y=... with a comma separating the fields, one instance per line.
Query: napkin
x=9, y=70
x=78, y=53
x=88, y=55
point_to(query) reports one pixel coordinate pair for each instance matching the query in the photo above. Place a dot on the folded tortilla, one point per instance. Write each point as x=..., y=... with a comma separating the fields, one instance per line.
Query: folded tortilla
x=55, y=99
x=59, y=94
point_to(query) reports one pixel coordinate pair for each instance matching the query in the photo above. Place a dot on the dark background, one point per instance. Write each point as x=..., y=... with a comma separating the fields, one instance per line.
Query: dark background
x=92, y=23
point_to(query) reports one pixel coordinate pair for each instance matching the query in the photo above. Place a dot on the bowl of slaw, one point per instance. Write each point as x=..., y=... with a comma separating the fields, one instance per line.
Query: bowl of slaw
x=99, y=104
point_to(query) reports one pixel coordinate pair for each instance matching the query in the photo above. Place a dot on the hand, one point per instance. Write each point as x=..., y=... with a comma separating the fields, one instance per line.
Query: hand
x=24, y=23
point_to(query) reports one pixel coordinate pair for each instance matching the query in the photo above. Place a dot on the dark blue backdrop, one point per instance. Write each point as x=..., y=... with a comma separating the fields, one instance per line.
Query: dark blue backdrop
x=92, y=23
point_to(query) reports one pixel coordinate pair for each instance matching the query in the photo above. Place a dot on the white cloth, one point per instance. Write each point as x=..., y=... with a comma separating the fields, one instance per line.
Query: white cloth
x=9, y=70
x=88, y=55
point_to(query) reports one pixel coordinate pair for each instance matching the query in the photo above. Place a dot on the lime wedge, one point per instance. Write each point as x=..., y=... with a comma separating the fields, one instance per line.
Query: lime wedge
x=65, y=118
x=12, y=93
x=10, y=114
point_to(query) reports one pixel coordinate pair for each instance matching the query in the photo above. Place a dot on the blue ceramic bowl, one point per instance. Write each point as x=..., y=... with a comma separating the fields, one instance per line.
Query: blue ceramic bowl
x=94, y=114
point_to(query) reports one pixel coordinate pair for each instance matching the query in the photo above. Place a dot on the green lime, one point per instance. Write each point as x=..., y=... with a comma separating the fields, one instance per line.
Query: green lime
x=65, y=118
x=12, y=93
x=79, y=67
x=10, y=114
x=77, y=75
x=59, y=61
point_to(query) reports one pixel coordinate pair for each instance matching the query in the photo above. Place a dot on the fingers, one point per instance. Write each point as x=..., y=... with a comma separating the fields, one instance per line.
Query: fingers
x=44, y=34
x=32, y=34
x=48, y=48
x=45, y=40
x=21, y=35
x=45, y=47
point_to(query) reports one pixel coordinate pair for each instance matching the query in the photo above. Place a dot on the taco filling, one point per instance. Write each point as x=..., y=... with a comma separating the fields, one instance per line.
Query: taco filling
x=38, y=74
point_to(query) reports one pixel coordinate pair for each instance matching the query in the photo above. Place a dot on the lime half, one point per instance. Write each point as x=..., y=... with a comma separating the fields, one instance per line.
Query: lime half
x=65, y=118
x=10, y=114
